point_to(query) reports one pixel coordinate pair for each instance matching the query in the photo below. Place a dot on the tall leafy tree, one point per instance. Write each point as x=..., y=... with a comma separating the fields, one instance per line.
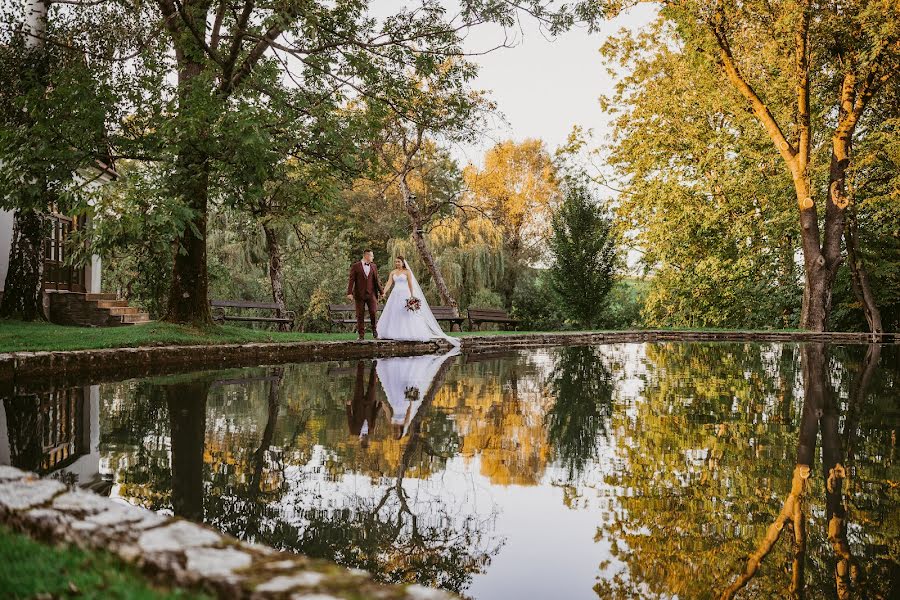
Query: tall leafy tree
x=808, y=72
x=584, y=252
x=701, y=193
x=516, y=188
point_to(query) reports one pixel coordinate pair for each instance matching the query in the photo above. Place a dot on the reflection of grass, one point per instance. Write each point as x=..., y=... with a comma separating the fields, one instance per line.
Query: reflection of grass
x=16, y=336
x=29, y=569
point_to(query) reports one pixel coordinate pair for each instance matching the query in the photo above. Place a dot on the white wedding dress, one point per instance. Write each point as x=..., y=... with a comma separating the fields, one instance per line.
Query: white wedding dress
x=398, y=323
x=406, y=380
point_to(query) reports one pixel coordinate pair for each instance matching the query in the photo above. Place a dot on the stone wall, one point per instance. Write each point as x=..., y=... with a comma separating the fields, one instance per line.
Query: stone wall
x=177, y=552
x=123, y=363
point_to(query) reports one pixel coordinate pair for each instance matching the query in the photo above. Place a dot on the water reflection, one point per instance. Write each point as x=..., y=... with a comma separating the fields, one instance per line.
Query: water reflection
x=651, y=471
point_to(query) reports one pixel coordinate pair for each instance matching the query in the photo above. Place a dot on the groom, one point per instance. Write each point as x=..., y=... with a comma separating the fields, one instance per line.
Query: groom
x=364, y=289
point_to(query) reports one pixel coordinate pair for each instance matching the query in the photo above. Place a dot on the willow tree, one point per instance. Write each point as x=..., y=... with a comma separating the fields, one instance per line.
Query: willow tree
x=516, y=189
x=442, y=107
x=808, y=72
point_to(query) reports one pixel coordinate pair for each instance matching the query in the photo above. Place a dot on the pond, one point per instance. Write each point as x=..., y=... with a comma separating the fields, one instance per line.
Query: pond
x=615, y=471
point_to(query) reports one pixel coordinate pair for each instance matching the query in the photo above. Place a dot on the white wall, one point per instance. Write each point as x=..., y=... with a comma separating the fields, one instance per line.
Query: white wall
x=93, y=286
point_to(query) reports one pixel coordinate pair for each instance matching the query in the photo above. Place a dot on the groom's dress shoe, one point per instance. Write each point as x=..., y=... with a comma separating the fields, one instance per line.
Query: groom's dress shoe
x=375, y=335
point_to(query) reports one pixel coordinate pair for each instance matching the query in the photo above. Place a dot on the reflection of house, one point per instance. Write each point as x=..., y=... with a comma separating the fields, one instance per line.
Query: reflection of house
x=71, y=292
x=54, y=433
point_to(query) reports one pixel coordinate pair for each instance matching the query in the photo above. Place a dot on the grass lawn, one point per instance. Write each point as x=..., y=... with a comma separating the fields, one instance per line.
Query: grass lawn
x=29, y=569
x=16, y=336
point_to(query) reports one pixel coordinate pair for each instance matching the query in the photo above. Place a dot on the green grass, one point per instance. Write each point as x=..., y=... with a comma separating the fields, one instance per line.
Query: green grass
x=18, y=336
x=29, y=569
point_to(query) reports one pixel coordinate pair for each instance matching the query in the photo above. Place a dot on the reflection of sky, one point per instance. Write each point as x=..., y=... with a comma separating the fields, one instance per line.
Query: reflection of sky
x=552, y=539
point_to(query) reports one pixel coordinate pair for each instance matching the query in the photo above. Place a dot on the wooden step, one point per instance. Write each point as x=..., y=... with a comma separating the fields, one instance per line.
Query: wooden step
x=135, y=318
x=124, y=310
x=100, y=297
x=111, y=303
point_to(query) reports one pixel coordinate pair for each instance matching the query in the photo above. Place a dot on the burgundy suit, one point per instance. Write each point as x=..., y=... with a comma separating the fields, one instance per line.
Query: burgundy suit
x=364, y=406
x=365, y=291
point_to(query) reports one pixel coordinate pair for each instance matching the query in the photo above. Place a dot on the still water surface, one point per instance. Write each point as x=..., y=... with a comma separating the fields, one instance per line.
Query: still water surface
x=617, y=471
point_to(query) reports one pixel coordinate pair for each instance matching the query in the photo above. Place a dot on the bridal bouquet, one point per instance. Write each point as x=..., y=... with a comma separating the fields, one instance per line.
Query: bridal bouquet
x=413, y=304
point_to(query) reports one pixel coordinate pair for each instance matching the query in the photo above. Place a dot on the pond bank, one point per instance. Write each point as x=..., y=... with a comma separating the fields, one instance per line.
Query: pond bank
x=121, y=363
x=176, y=552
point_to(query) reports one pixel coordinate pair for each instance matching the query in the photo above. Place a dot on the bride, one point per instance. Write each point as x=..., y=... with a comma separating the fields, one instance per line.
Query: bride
x=398, y=322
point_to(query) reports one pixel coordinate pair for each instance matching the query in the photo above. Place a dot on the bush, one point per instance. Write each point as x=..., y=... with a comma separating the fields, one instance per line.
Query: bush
x=535, y=304
x=626, y=299
x=485, y=298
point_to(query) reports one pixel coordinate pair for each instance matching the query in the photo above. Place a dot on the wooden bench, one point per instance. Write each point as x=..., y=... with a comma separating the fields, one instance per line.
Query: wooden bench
x=477, y=316
x=220, y=313
x=447, y=314
x=345, y=314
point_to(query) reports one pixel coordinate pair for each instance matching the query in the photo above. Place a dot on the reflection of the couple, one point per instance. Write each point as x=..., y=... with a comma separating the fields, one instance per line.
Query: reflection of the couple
x=362, y=410
x=407, y=382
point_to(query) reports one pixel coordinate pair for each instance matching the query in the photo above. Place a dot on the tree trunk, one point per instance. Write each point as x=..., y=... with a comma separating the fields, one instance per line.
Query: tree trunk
x=859, y=278
x=821, y=259
x=22, y=295
x=189, y=292
x=418, y=235
x=511, y=272
x=276, y=273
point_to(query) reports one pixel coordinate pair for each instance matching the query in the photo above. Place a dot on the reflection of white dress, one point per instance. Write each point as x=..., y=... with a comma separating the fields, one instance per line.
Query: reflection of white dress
x=398, y=323
x=406, y=380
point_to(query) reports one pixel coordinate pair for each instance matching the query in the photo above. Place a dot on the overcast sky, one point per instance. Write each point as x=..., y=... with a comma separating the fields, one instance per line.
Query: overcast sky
x=544, y=87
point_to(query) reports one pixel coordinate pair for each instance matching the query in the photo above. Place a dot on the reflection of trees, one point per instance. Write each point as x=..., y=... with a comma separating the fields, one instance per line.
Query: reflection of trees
x=707, y=458
x=276, y=455
x=402, y=540
x=23, y=422
x=498, y=412
x=820, y=416
x=583, y=387
x=187, y=422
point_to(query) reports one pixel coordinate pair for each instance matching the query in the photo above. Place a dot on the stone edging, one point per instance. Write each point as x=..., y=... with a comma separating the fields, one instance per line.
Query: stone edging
x=122, y=363
x=178, y=552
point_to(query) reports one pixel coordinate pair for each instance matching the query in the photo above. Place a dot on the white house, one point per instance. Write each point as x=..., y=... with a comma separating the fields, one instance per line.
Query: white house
x=72, y=294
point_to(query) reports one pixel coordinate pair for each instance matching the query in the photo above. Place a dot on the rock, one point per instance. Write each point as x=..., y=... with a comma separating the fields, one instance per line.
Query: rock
x=11, y=473
x=28, y=493
x=285, y=583
x=215, y=562
x=180, y=535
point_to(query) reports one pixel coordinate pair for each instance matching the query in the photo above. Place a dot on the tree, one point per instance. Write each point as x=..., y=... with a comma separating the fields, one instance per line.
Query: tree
x=584, y=253
x=442, y=106
x=516, y=188
x=807, y=73
x=230, y=94
x=700, y=193
x=51, y=126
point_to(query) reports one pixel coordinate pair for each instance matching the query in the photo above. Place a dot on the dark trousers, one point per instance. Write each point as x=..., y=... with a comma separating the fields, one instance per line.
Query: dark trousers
x=361, y=305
